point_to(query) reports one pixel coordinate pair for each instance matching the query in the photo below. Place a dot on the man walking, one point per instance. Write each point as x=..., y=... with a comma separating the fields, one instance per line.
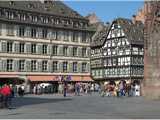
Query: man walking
x=6, y=92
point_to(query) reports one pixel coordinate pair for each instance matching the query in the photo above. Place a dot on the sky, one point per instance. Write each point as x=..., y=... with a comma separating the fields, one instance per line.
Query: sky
x=106, y=10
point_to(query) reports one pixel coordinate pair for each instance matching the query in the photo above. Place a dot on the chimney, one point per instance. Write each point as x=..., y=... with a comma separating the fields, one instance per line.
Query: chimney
x=134, y=19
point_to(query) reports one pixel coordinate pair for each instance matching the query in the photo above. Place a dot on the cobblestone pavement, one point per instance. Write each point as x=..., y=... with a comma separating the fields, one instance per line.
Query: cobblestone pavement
x=86, y=106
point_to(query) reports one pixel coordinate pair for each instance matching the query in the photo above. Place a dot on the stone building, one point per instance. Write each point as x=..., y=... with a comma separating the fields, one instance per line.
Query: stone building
x=40, y=41
x=117, y=52
x=152, y=55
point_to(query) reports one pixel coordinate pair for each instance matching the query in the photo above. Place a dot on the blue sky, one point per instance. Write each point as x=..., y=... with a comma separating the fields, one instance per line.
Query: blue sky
x=106, y=10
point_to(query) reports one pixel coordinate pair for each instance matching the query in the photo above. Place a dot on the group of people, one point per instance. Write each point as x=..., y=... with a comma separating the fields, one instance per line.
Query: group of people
x=120, y=89
x=8, y=92
x=78, y=88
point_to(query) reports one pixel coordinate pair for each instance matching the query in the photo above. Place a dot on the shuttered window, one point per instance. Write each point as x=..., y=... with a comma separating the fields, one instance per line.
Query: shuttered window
x=55, y=66
x=9, y=46
x=9, y=65
x=74, y=66
x=21, y=65
x=33, y=65
x=10, y=30
x=44, y=49
x=44, y=66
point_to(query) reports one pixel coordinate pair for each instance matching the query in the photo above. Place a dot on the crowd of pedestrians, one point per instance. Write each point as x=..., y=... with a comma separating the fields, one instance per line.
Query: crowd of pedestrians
x=120, y=89
x=78, y=88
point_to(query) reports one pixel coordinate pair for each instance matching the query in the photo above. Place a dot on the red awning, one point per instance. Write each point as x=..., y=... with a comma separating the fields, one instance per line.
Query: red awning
x=42, y=78
x=46, y=78
x=81, y=78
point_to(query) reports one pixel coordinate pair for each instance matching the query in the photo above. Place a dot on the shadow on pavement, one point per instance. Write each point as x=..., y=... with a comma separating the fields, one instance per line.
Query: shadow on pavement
x=24, y=101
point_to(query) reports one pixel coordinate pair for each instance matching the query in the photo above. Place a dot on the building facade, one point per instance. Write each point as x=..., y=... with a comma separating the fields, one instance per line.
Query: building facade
x=42, y=40
x=117, y=52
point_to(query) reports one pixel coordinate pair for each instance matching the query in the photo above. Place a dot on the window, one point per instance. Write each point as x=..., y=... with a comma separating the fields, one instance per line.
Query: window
x=65, y=66
x=33, y=32
x=9, y=46
x=10, y=15
x=34, y=18
x=21, y=47
x=45, y=20
x=33, y=65
x=0, y=29
x=22, y=17
x=55, y=66
x=33, y=48
x=54, y=35
x=74, y=66
x=84, y=65
x=54, y=50
x=44, y=49
x=74, y=51
x=21, y=65
x=10, y=30
x=21, y=31
x=84, y=37
x=65, y=48
x=9, y=65
x=84, y=51
x=44, y=65
x=75, y=36
x=44, y=33
x=66, y=35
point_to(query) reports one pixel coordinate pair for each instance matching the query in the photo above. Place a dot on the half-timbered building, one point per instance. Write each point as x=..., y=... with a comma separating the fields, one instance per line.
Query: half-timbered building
x=117, y=51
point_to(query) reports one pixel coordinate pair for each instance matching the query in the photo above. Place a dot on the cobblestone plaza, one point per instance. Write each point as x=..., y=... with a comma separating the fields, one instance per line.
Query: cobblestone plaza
x=82, y=107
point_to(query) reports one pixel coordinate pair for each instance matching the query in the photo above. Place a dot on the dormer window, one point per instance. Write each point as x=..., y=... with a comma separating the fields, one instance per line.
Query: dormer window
x=10, y=14
x=11, y=2
x=22, y=17
x=57, y=21
x=45, y=20
x=30, y=6
x=34, y=18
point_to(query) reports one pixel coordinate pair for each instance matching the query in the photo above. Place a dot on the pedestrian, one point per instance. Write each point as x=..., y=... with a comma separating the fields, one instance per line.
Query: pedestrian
x=6, y=92
x=20, y=91
x=1, y=99
x=65, y=89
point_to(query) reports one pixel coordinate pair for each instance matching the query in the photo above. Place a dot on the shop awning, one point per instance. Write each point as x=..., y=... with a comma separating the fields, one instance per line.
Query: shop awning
x=45, y=78
x=41, y=78
x=81, y=78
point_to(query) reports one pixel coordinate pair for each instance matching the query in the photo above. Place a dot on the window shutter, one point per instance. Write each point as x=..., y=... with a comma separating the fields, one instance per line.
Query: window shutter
x=49, y=35
x=70, y=51
x=4, y=46
x=17, y=30
x=49, y=49
x=70, y=67
x=60, y=49
x=79, y=52
x=16, y=65
x=59, y=35
x=28, y=65
x=88, y=67
x=79, y=67
x=39, y=66
x=16, y=47
x=28, y=47
x=0, y=65
x=4, y=65
x=39, y=47
x=50, y=64
x=88, y=52
x=60, y=67
x=28, y=32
